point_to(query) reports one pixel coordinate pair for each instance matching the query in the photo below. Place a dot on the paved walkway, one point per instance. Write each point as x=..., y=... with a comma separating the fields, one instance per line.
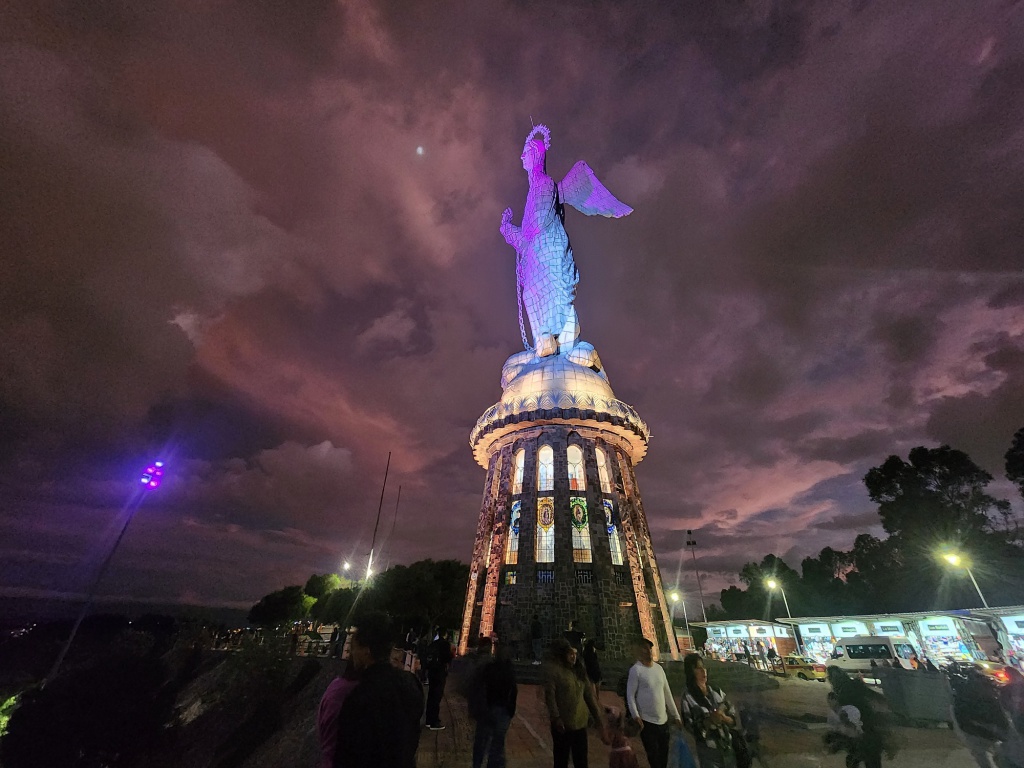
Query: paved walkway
x=529, y=741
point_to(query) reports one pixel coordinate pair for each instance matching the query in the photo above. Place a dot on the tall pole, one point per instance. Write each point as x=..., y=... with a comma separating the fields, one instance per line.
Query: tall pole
x=975, y=583
x=151, y=479
x=784, y=600
x=686, y=625
x=380, y=506
x=692, y=544
x=675, y=637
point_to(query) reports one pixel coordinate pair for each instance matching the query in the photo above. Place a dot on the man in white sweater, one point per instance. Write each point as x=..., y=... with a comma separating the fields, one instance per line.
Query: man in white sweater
x=650, y=703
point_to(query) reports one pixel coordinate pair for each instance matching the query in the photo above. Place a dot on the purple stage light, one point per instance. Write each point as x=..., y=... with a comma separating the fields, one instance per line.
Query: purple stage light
x=153, y=475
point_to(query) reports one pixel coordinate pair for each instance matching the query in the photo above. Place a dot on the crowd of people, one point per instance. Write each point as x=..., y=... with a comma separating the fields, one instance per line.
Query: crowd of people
x=374, y=712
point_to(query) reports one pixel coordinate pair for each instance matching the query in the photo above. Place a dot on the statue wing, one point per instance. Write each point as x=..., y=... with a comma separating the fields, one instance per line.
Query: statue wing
x=581, y=189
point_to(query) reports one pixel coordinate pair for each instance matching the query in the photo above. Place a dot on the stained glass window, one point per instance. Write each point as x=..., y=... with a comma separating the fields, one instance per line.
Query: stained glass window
x=577, y=474
x=602, y=472
x=517, y=478
x=512, y=543
x=510, y=578
x=545, y=469
x=614, y=537
x=580, y=530
x=545, y=547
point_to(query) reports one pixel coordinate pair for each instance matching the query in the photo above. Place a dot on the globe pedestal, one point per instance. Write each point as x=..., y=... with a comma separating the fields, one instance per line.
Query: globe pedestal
x=562, y=532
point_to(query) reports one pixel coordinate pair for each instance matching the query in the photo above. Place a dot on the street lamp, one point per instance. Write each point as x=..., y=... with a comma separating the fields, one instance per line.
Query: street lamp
x=675, y=598
x=958, y=561
x=692, y=544
x=772, y=585
x=149, y=481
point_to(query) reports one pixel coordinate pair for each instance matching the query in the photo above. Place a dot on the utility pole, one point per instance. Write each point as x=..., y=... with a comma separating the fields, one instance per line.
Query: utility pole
x=692, y=544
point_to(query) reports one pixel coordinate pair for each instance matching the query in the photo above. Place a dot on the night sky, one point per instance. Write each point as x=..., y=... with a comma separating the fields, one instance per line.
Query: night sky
x=221, y=244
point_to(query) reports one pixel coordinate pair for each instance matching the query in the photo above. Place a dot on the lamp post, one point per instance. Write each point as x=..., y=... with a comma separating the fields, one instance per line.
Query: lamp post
x=149, y=481
x=772, y=585
x=675, y=598
x=957, y=561
x=692, y=544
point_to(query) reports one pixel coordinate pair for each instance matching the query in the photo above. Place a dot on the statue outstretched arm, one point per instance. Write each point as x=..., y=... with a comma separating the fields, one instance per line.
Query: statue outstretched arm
x=513, y=235
x=583, y=191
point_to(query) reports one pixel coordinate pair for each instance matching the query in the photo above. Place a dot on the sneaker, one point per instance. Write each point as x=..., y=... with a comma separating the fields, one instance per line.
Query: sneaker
x=535, y=663
x=435, y=727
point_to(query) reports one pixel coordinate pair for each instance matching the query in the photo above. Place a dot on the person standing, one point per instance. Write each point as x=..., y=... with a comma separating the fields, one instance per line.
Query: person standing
x=592, y=664
x=575, y=638
x=330, y=706
x=650, y=702
x=978, y=719
x=439, y=658
x=379, y=721
x=570, y=702
x=496, y=691
x=710, y=716
x=863, y=709
x=536, y=638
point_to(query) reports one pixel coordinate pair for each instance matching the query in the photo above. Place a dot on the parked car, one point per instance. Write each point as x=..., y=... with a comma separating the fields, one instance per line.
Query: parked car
x=803, y=667
x=855, y=654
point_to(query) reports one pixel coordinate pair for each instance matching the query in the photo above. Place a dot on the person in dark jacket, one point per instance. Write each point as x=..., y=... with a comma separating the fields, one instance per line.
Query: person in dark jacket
x=978, y=719
x=379, y=723
x=439, y=658
x=493, y=705
x=536, y=639
x=865, y=709
x=592, y=664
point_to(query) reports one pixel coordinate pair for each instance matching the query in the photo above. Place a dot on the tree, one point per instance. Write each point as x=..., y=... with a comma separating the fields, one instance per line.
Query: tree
x=319, y=585
x=1015, y=461
x=425, y=593
x=334, y=607
x=288, y=604
x=939, y=495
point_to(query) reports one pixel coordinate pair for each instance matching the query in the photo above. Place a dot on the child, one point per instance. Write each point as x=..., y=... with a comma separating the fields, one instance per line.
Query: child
x=621, y=752
x=844, y=726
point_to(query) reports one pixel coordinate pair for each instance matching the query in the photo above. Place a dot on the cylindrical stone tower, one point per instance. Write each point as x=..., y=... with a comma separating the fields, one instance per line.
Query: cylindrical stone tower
x=562, y=531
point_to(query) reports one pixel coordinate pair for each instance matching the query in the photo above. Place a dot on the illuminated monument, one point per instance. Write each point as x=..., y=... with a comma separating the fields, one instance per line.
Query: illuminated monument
x=562, y=531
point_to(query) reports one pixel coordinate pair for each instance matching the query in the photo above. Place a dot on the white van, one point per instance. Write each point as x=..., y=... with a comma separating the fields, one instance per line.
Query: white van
x=855, y=654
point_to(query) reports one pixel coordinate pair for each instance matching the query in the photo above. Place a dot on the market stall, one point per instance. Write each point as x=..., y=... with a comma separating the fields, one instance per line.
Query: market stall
x=944, y=639
x=817, y=640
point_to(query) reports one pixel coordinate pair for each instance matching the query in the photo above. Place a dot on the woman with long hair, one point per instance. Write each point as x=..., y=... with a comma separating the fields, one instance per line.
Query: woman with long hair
x=709, y=715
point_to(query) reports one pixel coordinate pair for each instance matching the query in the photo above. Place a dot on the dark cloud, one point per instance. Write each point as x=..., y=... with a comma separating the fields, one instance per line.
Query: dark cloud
x=222, y=244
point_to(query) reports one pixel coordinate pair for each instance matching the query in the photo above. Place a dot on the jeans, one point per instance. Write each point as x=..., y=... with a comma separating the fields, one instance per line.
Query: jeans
x=655, y=740
x=435, y=691
x=570, y=741
x=489, y=741
x=538, y=648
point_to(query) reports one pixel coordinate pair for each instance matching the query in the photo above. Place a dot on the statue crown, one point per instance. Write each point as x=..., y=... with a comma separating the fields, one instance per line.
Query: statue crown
x=544, y=132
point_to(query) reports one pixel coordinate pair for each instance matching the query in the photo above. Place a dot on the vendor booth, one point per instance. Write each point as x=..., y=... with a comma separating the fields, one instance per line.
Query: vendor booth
x=817, y=640
x=747, y=641
x=943, y=636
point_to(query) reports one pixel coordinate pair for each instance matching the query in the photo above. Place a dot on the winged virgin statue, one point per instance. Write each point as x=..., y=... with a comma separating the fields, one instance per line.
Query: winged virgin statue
x=545, y=268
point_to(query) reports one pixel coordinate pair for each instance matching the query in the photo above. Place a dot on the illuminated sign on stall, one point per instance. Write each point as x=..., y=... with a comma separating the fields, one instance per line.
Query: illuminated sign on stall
x=849, y=629
x=815, y=630
x=889, y=627
x=938, y=626
x=716, y=632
